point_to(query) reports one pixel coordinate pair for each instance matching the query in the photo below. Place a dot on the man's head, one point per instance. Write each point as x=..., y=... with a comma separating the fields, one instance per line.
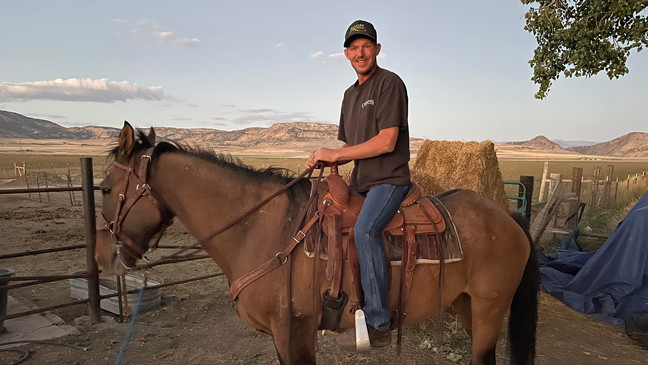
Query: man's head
x=361, y=48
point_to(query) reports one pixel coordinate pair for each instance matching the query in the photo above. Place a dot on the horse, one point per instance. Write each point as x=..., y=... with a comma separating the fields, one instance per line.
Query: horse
x=149, y=184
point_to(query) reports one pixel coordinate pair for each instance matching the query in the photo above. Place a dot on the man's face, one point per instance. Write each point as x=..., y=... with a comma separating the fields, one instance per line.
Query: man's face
x=362, y=54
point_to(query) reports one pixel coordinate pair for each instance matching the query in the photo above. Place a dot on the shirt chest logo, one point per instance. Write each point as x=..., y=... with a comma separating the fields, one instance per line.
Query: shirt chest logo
x=367, y=103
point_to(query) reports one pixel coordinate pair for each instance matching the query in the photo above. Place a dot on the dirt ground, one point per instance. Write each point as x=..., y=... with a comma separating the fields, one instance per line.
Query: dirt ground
x=196, y=323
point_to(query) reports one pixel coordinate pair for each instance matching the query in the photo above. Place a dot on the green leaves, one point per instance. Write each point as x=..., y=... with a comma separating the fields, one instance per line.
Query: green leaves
x=584, y=37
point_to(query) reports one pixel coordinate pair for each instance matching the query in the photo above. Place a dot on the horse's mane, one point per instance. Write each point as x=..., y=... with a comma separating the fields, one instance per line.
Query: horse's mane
x=280, y=175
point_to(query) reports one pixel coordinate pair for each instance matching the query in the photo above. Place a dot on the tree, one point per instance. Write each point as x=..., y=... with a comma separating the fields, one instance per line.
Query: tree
x=583, y=37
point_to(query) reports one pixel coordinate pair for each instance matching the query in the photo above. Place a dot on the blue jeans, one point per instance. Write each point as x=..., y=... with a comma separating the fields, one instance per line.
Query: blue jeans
x=379, y=207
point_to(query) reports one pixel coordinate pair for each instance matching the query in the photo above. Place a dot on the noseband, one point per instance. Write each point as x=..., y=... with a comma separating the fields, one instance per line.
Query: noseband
x=121, y=242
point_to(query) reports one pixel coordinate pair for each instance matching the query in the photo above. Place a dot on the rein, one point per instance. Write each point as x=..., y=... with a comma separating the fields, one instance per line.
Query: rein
x=238, y=219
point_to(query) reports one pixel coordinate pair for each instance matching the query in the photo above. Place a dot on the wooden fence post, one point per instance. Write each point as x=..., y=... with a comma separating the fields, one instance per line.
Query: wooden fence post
x=555, y=180
x=549, y=211
x=26, y=179
x=40, y=199
x=607, y=186
x=543, y=181
x=91, y=238
x=574, y=201
x=595, y=181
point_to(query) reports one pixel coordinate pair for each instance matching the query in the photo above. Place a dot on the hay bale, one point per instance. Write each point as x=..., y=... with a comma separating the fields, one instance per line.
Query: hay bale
x=444, y=165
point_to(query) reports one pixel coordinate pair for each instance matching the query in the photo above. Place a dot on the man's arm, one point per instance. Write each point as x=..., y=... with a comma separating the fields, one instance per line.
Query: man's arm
x=382, y=143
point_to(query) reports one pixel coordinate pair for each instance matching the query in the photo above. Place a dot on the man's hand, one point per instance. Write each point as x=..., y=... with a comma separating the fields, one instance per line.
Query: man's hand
x=323, y=154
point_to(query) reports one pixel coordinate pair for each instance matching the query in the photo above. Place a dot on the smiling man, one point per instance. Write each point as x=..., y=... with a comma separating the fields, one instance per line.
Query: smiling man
x=374, y=129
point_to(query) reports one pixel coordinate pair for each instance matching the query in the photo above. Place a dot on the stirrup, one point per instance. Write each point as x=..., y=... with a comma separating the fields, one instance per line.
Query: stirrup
x=361, y=332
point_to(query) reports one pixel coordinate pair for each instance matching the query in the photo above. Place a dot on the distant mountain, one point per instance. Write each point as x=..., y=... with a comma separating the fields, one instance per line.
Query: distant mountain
x=277, y=133
x=541, y=143
x=14, y=125
x=633, y=144
x=94, y=132
x=568, y=144
x=293, y=138
x=290, y=137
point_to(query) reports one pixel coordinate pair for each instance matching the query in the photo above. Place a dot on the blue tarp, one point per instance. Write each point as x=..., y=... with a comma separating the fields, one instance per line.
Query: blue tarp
x=610, y=283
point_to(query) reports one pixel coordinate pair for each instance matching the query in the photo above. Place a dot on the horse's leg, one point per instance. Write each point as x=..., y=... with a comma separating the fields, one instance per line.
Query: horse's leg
x=298, y=347
x=488, y=315
x=461, y=306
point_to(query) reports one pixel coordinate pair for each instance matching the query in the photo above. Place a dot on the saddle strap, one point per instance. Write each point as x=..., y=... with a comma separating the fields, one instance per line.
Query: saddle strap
x=351, y=253
x=407, y=275
x=335, y=258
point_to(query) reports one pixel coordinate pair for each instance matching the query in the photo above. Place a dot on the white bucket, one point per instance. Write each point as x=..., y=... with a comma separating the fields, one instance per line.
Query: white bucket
x=150, y=297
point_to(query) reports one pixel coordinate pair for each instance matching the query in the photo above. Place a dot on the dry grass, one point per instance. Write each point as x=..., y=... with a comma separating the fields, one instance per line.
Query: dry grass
x=443, y=165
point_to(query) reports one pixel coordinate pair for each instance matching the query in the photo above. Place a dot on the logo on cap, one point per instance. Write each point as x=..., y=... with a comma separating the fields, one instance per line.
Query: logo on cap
x=357, y=28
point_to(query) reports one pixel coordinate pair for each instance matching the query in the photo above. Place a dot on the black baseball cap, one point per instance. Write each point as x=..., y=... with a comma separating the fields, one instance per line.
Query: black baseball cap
x=360, y=29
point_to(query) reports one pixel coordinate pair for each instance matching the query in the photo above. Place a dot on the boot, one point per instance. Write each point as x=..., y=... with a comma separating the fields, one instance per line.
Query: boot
x=347, y=339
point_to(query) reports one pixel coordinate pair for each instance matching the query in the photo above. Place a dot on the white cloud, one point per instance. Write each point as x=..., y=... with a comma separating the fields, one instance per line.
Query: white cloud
x=154, y=33
x=98, y=90
x=317, y=55
x=337, y=57
x=279, y=45
x=267, y=116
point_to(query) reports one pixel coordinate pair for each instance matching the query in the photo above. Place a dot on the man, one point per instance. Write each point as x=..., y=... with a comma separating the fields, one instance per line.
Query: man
x=373, y=127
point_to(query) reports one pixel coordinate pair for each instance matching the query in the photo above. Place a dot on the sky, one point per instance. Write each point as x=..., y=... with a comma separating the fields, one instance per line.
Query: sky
x=238, y=64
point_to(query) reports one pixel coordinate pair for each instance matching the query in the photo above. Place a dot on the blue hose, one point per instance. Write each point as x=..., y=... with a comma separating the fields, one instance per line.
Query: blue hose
x=131, y=326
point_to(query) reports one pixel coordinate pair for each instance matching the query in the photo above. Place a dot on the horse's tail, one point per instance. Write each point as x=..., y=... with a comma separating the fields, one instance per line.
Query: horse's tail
x=524, y=308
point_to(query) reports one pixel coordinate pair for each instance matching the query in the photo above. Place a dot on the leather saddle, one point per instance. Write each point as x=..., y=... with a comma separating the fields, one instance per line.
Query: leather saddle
x=416, y=217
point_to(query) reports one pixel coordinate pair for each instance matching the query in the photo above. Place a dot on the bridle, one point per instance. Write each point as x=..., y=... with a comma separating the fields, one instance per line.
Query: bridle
x=122, y=242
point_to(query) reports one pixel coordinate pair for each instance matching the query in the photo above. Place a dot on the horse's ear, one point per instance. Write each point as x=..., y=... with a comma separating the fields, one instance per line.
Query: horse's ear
x=126, y=140
x=151, y=136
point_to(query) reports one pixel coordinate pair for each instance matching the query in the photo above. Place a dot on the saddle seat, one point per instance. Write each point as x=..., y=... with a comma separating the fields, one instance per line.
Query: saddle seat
x=413, y=211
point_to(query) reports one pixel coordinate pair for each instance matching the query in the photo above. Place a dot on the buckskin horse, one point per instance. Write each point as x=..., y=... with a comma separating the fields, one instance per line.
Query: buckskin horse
x=150, y=184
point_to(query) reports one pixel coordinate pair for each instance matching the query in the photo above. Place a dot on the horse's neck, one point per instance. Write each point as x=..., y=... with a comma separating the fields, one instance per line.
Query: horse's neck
x=206, y=197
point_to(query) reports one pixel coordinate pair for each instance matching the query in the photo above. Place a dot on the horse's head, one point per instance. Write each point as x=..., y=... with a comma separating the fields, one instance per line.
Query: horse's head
x=131, y=214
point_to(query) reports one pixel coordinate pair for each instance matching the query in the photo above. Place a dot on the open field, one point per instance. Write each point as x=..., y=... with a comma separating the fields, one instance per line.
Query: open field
x=197, y=325
x=511, y=168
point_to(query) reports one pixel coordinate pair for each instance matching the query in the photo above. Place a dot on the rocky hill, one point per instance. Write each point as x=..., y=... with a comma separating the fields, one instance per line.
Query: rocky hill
x=540, y=143
x=14, y=125
x=633, y=144
x=277, y=134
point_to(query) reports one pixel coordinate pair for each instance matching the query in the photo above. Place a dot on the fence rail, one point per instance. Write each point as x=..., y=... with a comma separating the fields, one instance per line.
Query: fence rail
x=92, y=271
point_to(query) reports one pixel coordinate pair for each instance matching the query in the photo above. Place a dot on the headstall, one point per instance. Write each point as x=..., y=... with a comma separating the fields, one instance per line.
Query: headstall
x=122, y=242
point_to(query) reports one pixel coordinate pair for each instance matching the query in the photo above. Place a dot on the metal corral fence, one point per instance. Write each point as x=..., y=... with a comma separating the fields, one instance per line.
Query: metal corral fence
x=92, y=273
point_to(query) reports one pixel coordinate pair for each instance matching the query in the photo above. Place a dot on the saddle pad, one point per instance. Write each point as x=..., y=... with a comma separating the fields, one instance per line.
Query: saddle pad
x=426, y=250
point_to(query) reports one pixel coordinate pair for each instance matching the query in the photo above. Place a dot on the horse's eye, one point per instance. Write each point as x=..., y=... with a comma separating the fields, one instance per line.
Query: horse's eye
x=105, y=191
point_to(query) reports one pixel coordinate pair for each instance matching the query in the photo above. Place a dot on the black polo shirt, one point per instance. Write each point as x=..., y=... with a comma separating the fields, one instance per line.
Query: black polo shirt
x=378, y=103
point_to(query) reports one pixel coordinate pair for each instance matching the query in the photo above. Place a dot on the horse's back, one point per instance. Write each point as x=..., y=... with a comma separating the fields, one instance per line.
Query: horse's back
x=495, y=246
